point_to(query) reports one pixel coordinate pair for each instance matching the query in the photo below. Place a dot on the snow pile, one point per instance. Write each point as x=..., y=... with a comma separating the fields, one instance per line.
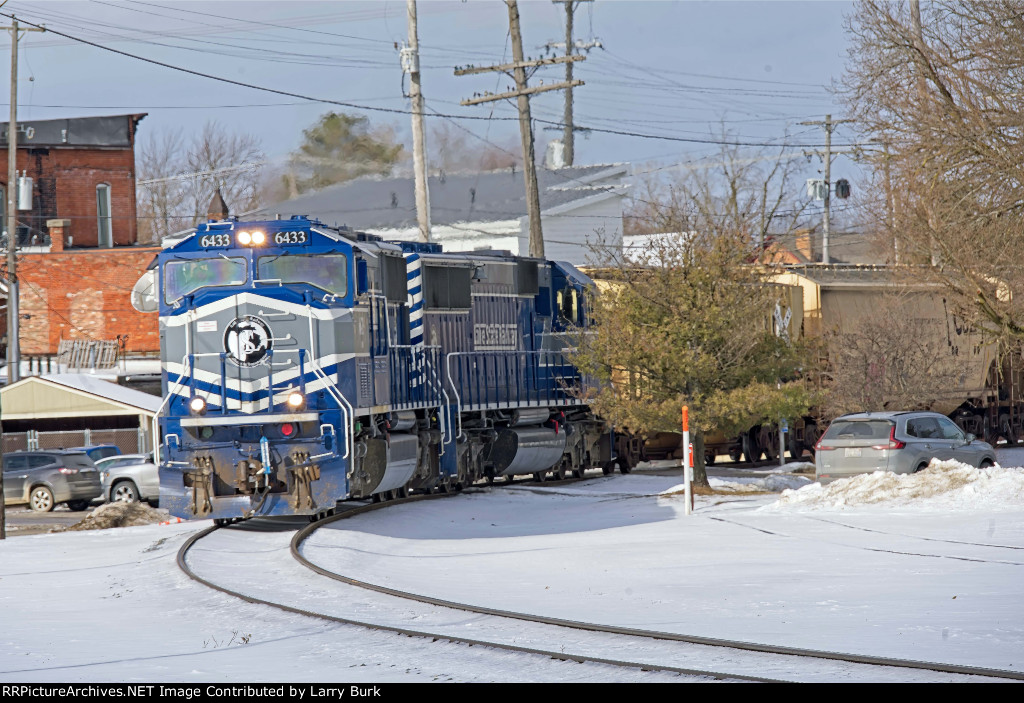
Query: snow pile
x=945, y=485
x=772, y=483
x=119, y=514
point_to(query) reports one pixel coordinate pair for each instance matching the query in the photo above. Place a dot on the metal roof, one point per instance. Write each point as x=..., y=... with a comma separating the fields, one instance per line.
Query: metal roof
x=109, y=131
x=850, y=275
x=390, y=203
x=73, y=395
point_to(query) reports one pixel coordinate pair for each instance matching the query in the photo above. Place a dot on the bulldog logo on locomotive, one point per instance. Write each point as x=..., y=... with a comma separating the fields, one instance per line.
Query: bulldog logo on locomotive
x=247, y=341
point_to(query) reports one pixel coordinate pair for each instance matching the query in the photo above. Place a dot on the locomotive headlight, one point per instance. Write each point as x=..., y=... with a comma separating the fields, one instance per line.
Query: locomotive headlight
x=258, y=238
x=244, y=238
x=197, y=406
x=296, y=400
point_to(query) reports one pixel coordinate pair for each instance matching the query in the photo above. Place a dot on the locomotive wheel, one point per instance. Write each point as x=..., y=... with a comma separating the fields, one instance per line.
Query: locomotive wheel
x=540, y=476
x=608, y=468
x=490, y=479
x=735, y=454
x=510, y=478
x=709, y=459
x=624, y=467
x=375, y=498
x=558, y=473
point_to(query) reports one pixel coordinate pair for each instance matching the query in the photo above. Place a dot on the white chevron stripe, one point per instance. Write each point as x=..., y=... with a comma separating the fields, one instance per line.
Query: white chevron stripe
x=256, y=299
x=243, y=386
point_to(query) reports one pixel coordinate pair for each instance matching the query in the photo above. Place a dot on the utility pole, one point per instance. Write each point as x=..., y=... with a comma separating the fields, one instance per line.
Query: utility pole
x=13, y=355
x=411, y=65
x=569, y=129
x=829, y=124
x=522, y=93
x=13, y=351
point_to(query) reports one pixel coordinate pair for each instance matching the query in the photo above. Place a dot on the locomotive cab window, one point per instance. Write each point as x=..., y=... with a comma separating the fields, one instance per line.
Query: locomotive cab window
x=189, y=275
x=328, y=272
x=568, y=305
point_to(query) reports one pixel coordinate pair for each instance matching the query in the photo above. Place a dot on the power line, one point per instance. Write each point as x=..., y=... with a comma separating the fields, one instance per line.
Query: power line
x=397, y=111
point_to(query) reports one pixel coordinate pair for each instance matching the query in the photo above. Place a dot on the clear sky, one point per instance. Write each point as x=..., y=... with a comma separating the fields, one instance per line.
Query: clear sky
x=671, y=71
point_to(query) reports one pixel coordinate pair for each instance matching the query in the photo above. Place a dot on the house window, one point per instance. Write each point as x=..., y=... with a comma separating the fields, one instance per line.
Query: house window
x=103, y=218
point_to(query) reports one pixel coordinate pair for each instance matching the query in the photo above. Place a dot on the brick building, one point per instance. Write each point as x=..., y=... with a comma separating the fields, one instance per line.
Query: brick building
x=78, y=256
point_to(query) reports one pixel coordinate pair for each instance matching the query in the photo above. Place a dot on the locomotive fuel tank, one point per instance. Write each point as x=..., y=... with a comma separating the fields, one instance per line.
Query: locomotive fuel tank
x=386, y=463
x=526, y=450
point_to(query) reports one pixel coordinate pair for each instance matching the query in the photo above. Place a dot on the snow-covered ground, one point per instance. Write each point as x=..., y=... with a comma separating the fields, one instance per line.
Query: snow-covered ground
x=925, y=567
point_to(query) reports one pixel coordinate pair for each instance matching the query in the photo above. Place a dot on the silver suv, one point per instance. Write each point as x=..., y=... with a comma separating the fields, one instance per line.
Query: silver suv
x=45, y=478
x=129, y=478
x=901, y=442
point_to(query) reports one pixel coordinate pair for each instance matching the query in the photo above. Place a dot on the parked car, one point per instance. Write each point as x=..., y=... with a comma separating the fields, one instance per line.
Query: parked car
x=901, y=442
x=129, y=478
x=99, y=451
x=43, y=479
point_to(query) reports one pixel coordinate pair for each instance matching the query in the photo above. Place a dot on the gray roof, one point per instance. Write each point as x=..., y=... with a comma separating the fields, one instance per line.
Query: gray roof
x=855, y=275
x=113, y=130
x=107, y=390
x=390, y=203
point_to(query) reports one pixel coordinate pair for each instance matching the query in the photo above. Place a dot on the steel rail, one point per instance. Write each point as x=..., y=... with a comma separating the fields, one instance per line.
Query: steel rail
x=306, y=531
x=562, y=656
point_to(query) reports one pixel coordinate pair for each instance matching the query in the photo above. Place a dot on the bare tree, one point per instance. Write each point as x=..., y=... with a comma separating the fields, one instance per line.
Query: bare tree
x=177, y=179
x=454, y=149
x=736, y=192
x=941, y=87
x=160, y=193
x=221, y=160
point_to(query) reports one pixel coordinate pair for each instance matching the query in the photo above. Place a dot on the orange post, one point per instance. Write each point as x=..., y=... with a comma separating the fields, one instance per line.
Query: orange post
x=687, y=461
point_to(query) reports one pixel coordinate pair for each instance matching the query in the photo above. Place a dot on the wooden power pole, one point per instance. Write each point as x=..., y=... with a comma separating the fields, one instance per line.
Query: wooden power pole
x=13, y=350
x=522, y=93
x=13, y=353
x=829, y=124
x=411, y=65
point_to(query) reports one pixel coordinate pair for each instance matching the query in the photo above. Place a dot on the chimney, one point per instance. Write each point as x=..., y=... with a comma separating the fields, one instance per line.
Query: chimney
x=805, y=243
x=218, y=209
x=59, y=229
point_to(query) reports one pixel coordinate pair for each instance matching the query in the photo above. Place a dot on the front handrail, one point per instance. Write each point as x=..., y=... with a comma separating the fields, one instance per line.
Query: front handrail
x=346, y=407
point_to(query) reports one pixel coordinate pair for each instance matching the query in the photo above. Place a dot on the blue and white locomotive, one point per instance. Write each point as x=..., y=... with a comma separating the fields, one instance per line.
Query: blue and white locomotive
x=305, y=365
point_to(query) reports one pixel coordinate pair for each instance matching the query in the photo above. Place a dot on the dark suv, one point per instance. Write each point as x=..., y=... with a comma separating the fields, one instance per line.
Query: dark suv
x=45, y=478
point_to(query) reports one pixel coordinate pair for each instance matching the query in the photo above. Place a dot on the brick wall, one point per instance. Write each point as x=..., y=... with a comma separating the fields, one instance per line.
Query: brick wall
x=64, y=185
x=84, y=294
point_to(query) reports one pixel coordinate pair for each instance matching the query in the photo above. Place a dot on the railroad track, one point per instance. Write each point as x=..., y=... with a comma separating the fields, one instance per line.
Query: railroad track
x=567, y=640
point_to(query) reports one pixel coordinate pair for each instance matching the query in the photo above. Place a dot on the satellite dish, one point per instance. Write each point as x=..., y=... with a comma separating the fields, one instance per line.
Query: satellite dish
x=144, y=293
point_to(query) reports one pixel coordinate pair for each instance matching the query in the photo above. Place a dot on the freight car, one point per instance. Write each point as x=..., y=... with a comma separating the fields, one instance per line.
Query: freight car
x=304, y=365
x=983, y=396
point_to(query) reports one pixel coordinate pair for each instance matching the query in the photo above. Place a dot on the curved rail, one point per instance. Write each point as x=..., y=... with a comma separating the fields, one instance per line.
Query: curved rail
x=306, y=531
x=562, y=656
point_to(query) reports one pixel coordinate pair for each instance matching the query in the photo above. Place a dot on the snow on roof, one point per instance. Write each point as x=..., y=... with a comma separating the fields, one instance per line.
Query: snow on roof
x=103, y=389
